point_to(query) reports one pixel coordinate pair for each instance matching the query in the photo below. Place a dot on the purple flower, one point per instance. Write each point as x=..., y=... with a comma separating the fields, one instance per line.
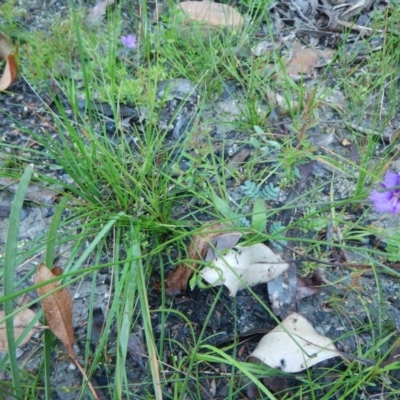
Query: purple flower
x=129, y=41
x=388, y=200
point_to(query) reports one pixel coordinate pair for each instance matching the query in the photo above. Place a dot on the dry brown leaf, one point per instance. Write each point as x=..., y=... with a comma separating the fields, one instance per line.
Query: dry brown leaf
x=10, y=73
x=11, y=68
x=98, y=11
x=200, y=245
x=211, y=14
x=302, y=62
x=57, y=308
x=176, y=281
x=21, y=321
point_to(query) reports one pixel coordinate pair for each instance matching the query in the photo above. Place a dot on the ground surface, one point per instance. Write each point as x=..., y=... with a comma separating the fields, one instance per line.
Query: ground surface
x=351, y=300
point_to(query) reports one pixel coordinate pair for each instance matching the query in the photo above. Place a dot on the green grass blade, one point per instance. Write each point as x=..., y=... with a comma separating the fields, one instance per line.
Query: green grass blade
x=144, y=304
x=52, y=235
x=49, y=259
x=9, y=271
x=129, y=281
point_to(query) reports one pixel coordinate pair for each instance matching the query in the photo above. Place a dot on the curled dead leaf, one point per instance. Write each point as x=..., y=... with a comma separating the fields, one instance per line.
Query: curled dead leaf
x=11, y=68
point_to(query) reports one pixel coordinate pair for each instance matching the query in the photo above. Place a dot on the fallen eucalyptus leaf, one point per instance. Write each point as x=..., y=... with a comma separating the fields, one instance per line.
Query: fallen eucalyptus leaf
x=98, y=11
x=211, y=14
x=303, y=60
x=57, y=307
x=201, y=247
x=244, y=266
x=11, y=68
x=294, y=345
x=21, y=321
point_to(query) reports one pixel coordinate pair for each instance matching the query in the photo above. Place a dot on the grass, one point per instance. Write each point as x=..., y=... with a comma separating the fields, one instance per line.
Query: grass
x=132, y=206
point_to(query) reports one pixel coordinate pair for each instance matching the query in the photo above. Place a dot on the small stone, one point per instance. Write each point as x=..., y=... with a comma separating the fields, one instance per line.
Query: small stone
x=72, y=367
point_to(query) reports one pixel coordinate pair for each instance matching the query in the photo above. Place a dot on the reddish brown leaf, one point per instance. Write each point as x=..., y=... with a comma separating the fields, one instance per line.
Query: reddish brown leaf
x=10, y=73
x=304, y=60
x=57, y=308
x=11, y=68
x=206, y=239
x=177, y=280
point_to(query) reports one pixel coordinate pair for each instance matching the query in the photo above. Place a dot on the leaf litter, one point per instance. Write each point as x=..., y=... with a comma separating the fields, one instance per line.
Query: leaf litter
x=22, y=320
x=58, y=307
x=294, y=345
x=244, y=266
x=97, y=13
x=11, y=68
x=330, y=26
x=202, y=246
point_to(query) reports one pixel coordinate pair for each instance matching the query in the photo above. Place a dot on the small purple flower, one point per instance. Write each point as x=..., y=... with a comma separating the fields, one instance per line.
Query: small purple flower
x=388, y=200
x=129, y=41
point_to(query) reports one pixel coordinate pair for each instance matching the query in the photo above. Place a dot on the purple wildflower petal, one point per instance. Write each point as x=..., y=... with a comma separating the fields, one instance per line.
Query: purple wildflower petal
x=389, y=199
x=129, y=41
x=382, y=201
x=391, y=180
